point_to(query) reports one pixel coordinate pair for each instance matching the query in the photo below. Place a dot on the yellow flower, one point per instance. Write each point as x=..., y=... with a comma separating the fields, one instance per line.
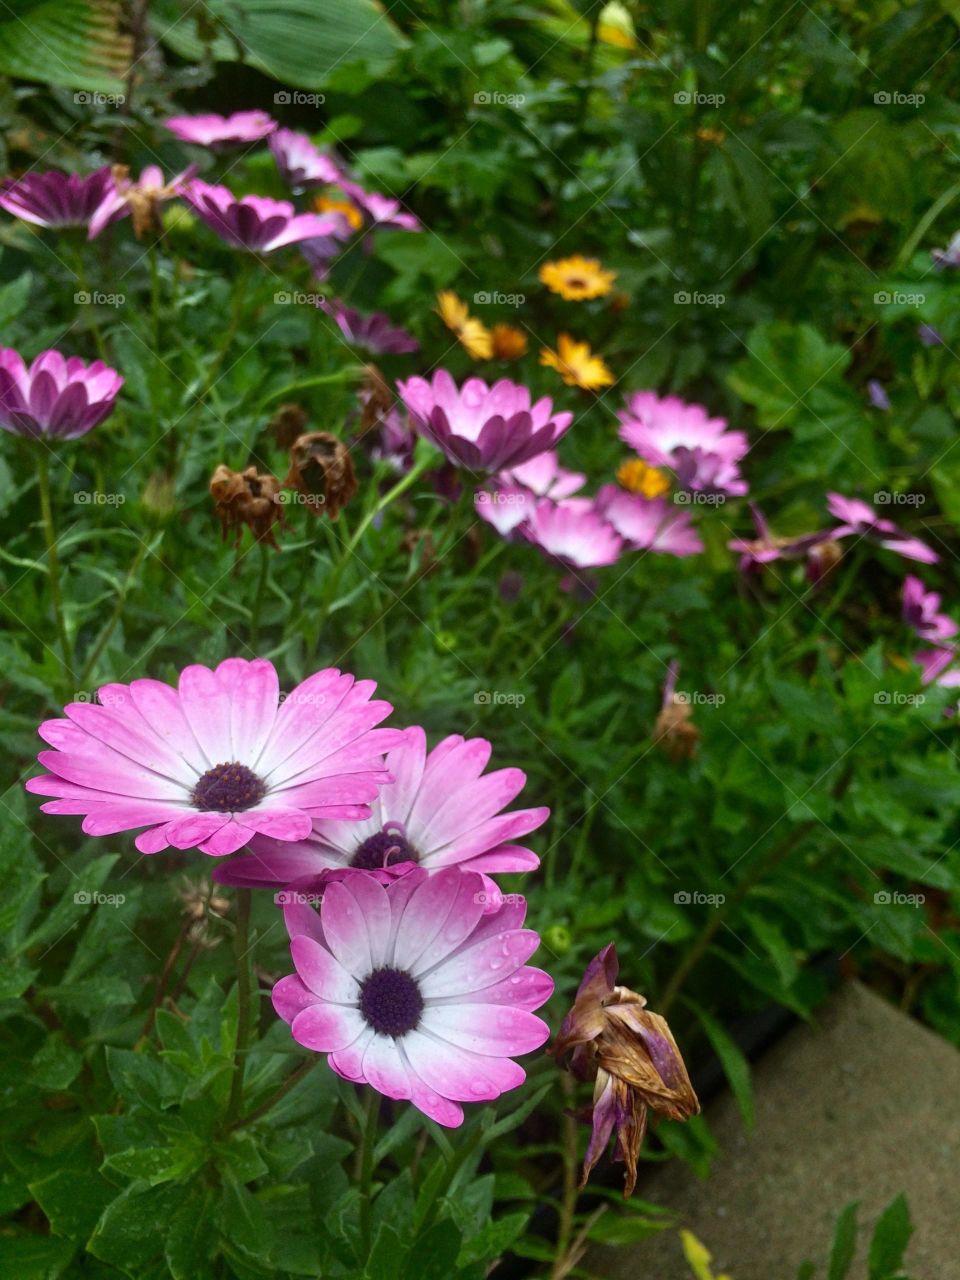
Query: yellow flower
x=699, y=1257
x=509, y=343
x=639, y=477
x=324, y=204
x=473, y=336
x=576, y=365
x=577, y=278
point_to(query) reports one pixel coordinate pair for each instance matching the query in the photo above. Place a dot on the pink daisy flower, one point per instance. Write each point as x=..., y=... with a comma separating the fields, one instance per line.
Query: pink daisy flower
x=648, y=524
x=411, y=988
x=668, y=432
x=257, y=223
x=860, y=518
x=301, y=162
x=479, y=427
x=150, y=188
x=57, y=397
x=55, y=199
x=219, y=759
x=544, y=476
x=921, y=610
x=767, y=546
x=213, y=130
x=380, y=211
x=441, y=810
x=573, y=533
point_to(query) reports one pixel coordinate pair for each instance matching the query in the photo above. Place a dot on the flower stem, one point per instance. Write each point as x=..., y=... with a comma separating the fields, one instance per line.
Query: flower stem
x=53, y=560
x=292, y=1080
x=262, y=581
x=368, y=1142
x=568, y=1204
x=118, y=608
x=242, y=947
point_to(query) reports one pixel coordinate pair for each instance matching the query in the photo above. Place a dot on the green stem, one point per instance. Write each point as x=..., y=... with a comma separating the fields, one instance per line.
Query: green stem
x=118, y=608
x=292, y=1080
x=262, y=580
x=464, y=1151
x=568, y=1204
x=53, y=560
x=368, y=1143
x=80, y=272
x=412, y=476
x=349, y=373
x=244, y=1004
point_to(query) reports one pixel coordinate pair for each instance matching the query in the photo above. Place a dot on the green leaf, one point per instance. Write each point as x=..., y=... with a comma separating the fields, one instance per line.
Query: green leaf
x=75, y=43
x=735, y=1066
x=493, y=1239
x=14, y=295
x=787, y=365
x=890, y=1239
x=298, y=42
x=844, y=1243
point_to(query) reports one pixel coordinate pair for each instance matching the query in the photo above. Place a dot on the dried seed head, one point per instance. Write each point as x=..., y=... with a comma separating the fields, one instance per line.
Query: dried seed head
x=376, y=399
x=287, y=424
x=247, y=498
x=321, y=469
x=675, y=731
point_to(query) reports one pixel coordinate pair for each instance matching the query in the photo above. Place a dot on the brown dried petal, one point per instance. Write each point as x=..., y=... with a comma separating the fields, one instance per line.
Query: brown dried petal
x=247, y=499
x=675, y=731
x=287, y=424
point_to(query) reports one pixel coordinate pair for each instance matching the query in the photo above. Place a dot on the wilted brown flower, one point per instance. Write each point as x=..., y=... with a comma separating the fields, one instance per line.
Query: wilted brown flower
x=287, y=423
x=675, y=731
x=198, y=897
x=247, y=498
x=321, y=469
x=609, y=1036
x=376, y=399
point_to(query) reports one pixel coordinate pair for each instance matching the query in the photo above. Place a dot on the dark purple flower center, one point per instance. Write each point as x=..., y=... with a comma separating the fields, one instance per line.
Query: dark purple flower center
x=383, y=850
x=391, y=1002
x=228, y=788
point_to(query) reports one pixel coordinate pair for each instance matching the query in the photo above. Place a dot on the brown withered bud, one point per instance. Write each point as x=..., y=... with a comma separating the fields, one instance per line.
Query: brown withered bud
x=200, y=897
x=376, y=399
x=287, y=424
x=322, y=470
x=821, y=558
x=610, y=1037
x=247, y=499
x=675, y=733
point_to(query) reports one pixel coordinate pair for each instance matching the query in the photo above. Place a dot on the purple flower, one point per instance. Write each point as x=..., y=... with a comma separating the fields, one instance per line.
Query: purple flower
x=301, y=162
x=379, y=210
x=376, y=333
x=55, y=199
x=56, y=398
x=220, y=131
x=318, y=250
x=935, y=667
x=921, y=610
x=648, y=524
x=767, y=547
x=397, y=439
x=948, y=258
x=877, y=395
x=256, y=223
x=860, y=518
x=482, y=428
x=929, y=336
x=544, y=477
x=573, y=533
x=668, y=432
